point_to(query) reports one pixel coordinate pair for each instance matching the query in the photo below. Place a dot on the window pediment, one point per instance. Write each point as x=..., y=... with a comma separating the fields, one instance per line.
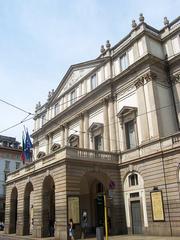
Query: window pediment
x=95, y=126
x=41, y=154
x=126, y=110
x=55, y=146
x=73, y=137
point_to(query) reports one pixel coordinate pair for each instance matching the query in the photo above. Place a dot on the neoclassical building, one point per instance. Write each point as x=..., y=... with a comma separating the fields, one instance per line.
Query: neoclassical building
x=111, y=127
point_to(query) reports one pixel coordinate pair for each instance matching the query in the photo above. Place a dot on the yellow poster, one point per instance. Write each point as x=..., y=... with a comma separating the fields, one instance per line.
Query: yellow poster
x=73, y=209
x=157, y=206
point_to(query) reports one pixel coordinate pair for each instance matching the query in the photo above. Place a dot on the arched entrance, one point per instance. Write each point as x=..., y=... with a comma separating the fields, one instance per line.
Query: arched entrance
x=28, y=209
x=48, y=207
x=92, y=187
x=13, y=210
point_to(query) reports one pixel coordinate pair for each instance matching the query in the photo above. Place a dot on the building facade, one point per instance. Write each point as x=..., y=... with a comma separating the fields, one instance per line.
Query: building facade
x=111, y=126
x=9, y=162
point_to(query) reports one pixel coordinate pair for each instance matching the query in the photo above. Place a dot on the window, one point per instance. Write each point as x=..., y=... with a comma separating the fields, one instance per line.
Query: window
x=7, y=165
x=18, y=165
x=97, y=142
x=124, y=62
x=127, y=117
x=133, y=179
x=130, y=134
x=134, y=195
x=176, y=44
x=56, y=109
x=73, y=96
x=93, y=81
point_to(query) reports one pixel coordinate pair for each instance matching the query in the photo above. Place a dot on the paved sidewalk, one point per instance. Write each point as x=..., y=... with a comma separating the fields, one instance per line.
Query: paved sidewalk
x=120, y=237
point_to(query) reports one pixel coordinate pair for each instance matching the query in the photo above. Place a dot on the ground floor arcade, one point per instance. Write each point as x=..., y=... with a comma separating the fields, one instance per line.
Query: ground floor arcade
x=143, y=196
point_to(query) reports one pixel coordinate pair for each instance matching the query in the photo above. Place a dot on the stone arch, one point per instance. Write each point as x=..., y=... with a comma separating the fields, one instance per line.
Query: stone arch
x=92, y=184
x=13, y=210
x=48, y=206
x=134, y=193
x=28, y=209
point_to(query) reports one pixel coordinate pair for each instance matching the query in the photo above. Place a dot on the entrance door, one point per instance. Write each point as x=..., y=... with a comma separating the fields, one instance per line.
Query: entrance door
x=136, y=217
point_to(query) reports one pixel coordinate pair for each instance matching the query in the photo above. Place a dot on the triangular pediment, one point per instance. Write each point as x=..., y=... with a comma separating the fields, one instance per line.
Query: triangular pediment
x=126, y=110
x=74, y=74
x=95, y=126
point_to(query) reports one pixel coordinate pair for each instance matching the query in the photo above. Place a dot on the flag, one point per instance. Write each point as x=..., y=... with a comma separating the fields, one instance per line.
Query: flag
x=23, y=149
x=28, y=146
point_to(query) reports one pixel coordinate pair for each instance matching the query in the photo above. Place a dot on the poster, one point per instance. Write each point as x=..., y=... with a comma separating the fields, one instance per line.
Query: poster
x=157, y=206
x=73, y=209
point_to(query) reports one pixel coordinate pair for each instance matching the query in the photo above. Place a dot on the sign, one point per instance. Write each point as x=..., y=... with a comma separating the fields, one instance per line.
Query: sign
x=73, y=209
x=157, y=206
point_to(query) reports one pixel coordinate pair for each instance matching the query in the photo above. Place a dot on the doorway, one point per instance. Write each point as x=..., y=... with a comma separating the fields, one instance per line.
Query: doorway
x=136, y=217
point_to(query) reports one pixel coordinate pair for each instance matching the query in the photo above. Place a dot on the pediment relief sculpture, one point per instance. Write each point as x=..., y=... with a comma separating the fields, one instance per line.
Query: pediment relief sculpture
x=55, y=146
x=41, y=154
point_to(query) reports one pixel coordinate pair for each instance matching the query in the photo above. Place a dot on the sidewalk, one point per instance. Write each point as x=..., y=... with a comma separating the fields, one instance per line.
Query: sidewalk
x=120, y=237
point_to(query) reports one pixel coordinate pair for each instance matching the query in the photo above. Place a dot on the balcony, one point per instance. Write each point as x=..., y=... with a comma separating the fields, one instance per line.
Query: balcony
x=66, y=153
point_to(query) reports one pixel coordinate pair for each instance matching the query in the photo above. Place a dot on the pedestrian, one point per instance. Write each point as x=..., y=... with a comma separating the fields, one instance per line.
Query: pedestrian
x=71, y=229
x=84, y=224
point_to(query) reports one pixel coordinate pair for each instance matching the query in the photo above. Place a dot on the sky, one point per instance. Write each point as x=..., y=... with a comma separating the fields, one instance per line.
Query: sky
x=41, y=39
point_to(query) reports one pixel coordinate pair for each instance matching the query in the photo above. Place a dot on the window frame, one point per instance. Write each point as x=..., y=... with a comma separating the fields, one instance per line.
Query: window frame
x=56, y=109
x=126, y=115
x=95, y=84
x=73, y=96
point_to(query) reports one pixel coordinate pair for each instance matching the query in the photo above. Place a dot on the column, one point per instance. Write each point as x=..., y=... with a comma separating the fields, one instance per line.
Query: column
x=151, y=100
x=86, y=127
x=142, y=112
x=81, y=132
x=106, y=126
x=112, y=129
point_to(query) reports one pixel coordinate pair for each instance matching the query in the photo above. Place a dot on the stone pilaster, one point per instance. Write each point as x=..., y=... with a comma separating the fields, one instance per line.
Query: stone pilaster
x=81, y=132
x=86, y=127
x=142, y=111
x=112, y=129
x=106, y=126
x=121, y=135
x=176, y=91
x=63, y=136
x=50, y=142
x=47, y=144
x=66, y=130
x=152, y=105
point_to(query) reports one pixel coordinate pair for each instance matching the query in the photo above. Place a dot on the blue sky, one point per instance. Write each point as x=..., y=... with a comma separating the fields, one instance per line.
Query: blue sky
x=40, y=39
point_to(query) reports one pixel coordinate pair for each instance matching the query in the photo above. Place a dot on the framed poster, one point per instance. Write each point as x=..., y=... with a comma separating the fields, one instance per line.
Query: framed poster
x=157, y=206
x=73, y=209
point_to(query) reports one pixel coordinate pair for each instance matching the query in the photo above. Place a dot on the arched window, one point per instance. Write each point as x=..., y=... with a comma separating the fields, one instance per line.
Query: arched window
x=133, y=179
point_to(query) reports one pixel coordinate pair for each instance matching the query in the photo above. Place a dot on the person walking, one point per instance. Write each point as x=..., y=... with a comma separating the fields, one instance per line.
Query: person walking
x=71, y=229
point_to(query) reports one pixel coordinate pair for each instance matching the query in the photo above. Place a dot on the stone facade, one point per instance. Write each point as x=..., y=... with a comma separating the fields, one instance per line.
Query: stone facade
x=10, y=160
x=111, y=127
